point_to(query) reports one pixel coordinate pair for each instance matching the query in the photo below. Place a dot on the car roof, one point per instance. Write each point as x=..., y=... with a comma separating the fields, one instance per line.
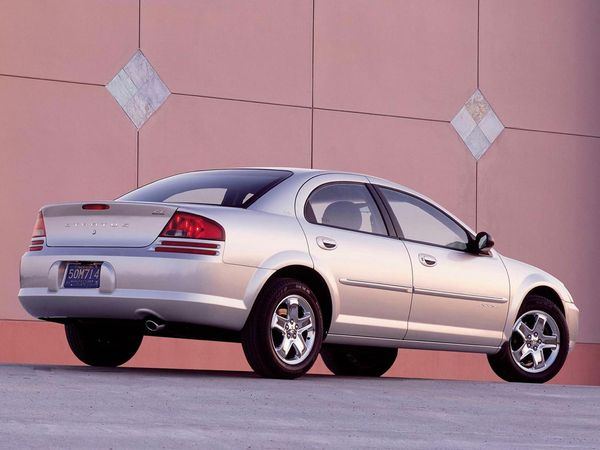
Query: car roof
x=309, y=173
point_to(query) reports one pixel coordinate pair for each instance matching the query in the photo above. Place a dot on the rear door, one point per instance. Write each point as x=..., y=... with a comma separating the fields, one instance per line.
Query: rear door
x=459, y=297
x=349, y=243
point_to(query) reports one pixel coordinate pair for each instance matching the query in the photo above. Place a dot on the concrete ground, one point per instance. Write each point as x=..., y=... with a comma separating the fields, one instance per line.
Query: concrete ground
x=83, y=407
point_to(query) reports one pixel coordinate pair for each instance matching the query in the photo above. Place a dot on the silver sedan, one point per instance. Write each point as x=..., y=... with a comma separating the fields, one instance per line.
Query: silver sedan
x=291, y=263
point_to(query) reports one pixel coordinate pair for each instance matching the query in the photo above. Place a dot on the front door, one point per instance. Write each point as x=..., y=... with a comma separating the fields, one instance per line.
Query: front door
x=369, y=271
x=459, y=297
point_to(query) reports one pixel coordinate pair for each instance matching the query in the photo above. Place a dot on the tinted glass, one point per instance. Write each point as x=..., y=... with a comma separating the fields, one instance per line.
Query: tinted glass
x=422, y=222
x=236, y=188
x=345, y=205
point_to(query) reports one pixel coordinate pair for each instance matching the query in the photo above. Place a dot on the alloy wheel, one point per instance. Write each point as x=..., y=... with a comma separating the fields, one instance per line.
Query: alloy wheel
x=293, y=329
x=535, y=341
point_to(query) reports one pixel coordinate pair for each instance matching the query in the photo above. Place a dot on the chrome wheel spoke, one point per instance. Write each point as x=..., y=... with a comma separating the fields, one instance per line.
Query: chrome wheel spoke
x=538, y=359
x=278, y=323
x=299, y=345
x=523, y=330
x=549, y=341
x=540, y=324
x=304, y=323
x=521, y=353
x=284, y=349
x=293, y=309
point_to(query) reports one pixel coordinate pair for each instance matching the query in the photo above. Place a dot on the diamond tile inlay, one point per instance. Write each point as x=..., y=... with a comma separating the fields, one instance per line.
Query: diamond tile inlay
x=477, y=124
x=138, y=89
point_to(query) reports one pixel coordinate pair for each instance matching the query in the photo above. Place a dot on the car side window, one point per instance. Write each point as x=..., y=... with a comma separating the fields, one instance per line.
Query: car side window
x=422, y=222
x=345, y=205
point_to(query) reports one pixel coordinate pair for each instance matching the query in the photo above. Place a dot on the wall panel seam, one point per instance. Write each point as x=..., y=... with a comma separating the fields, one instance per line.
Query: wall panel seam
x=84, y=83
x=478, y=12
x=140, y=24
x=230, y=99
x=381, y=114
x=316, y=108
x=564, y=133
x=312, y=90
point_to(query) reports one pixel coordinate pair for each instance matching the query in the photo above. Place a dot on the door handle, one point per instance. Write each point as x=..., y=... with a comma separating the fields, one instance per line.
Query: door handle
x=326, y=243
x=427, y=260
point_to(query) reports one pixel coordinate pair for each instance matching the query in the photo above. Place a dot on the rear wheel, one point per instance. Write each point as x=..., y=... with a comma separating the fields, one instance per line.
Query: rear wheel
x=104, y=345
x=538, y=345
x=283, y=334
x=352, y=360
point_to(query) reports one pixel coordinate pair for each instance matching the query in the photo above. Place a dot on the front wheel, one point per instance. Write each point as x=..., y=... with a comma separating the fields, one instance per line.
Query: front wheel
x=103, y=345
x=352, y=360
x=283, y=334
x=538, y=345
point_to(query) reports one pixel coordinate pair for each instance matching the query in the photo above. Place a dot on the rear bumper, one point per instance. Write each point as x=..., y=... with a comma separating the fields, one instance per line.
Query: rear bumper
x=135, y=304
x=193, y=289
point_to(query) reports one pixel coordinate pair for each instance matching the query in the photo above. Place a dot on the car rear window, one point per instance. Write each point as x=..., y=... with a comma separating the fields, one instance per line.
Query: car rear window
x=230, y=187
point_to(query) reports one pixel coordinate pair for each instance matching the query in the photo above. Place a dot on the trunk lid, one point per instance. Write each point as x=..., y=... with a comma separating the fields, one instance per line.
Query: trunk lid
x=123, y=224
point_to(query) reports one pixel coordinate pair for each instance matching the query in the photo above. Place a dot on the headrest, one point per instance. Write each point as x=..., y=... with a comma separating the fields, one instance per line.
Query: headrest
x=343, y=214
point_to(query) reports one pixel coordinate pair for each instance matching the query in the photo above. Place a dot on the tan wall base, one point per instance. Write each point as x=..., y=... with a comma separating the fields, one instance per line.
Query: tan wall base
x=31, y=342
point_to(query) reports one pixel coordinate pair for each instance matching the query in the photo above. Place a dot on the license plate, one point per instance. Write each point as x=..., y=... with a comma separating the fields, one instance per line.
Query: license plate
x=79, y=275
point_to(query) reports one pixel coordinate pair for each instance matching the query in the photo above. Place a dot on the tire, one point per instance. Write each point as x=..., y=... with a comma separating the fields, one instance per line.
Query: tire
x=285, y=317
x=357, y=361
x=105, y=345
x=530, y=339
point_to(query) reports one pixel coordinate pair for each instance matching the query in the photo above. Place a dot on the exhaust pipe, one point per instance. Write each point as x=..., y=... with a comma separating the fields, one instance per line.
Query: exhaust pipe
x=153, y=326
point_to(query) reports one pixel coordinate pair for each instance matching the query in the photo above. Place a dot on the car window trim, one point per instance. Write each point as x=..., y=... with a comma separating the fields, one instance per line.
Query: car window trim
x=390, y=231
x=378, y=188
x=383, y=210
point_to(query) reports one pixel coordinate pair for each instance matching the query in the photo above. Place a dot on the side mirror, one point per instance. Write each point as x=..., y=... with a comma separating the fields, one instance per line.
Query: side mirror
x=482, y=244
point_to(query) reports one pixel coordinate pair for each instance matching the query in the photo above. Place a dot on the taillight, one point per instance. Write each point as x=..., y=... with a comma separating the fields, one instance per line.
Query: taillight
x=191, y=226
x=39, y=231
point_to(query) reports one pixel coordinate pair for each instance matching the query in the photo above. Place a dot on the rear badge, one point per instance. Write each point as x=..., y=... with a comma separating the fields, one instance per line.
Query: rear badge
x=96, y=224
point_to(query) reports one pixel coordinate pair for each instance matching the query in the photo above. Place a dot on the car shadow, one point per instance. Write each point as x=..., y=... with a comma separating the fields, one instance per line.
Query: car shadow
x=151, y=371
x=201, y=373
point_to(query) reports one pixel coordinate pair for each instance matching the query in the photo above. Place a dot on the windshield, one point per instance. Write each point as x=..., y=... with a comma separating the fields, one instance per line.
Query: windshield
x=230, y=187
